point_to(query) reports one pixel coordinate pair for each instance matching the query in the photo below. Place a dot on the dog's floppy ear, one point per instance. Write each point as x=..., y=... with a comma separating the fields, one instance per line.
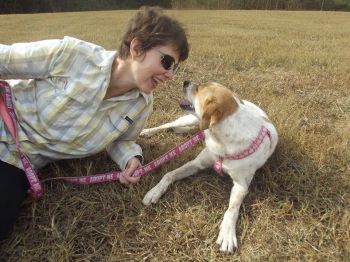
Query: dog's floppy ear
x=211, y=113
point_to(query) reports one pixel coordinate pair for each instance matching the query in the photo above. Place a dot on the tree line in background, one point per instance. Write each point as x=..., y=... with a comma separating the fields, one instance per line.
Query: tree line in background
x=335, y=5
x=35, y=6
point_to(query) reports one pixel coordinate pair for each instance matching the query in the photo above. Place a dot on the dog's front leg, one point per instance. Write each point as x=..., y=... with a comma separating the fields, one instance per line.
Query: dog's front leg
x=227, y=236
x=181, y=125
x=203, y=160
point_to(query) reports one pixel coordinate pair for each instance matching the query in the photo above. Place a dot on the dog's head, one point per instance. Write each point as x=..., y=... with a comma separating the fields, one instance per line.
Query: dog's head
x=211, y=102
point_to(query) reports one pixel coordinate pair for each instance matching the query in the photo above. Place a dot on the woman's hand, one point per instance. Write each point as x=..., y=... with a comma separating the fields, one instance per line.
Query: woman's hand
x=125, y=177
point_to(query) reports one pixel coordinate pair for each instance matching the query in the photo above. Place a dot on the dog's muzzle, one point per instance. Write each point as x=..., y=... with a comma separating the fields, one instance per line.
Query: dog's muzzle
x=186, y=104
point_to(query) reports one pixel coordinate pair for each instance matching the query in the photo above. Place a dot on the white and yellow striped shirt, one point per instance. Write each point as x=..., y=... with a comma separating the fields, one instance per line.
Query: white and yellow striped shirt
x=59, y=103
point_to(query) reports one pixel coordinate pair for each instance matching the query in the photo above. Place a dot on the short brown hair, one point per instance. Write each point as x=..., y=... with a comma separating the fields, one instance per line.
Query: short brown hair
x=152, y=28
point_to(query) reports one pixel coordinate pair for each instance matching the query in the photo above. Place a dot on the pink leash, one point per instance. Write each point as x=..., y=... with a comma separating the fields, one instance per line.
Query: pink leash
x=36, y=190
x=113, y=176
x=9, y=116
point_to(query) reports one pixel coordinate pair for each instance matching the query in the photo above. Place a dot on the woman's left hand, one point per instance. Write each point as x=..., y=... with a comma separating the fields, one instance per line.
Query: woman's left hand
x=126, y=178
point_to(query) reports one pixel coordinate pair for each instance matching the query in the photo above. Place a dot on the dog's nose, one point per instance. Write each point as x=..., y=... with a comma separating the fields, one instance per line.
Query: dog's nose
x=186, y=83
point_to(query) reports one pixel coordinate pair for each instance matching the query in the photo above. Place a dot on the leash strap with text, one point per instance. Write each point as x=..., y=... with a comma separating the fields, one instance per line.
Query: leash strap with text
x=9, y=116
x=113, y=176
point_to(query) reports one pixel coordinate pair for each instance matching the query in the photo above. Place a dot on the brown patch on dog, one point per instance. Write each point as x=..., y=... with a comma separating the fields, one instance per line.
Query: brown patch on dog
x=216, y=102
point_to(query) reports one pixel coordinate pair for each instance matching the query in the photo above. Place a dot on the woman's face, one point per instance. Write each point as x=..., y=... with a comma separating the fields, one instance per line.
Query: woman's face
x=154, y=67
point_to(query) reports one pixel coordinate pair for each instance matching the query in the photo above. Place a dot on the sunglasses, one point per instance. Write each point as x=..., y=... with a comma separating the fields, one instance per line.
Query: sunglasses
x=168, y=62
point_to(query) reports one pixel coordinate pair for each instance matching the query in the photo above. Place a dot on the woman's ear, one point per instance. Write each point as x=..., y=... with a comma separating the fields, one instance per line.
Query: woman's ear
x=135, y=48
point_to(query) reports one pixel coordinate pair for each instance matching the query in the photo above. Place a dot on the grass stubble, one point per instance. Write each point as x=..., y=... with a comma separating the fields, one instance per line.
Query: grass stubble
x=295, y=65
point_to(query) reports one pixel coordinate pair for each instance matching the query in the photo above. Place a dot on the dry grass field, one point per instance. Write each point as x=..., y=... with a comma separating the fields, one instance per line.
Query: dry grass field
x=295, y=65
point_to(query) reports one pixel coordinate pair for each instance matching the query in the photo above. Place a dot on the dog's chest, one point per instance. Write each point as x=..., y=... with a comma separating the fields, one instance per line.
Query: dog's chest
x=232, y=135
x=219, y=143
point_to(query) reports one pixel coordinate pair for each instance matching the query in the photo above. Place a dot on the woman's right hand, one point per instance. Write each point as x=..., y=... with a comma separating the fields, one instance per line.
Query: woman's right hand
x=126, y=176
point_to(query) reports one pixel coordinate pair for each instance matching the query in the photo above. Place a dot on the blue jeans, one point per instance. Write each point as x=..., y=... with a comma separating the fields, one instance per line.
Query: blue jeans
x=13, y=190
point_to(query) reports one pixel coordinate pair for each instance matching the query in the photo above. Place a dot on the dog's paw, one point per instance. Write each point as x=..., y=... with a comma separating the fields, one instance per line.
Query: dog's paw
x=148, y=132
x=227, y=239
x=152, y=196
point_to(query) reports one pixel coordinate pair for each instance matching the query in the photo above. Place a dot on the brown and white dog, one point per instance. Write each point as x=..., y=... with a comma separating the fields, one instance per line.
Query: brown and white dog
x=239, y=139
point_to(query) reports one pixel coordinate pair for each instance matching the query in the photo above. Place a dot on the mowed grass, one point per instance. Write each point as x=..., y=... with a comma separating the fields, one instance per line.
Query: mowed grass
x=295, y=65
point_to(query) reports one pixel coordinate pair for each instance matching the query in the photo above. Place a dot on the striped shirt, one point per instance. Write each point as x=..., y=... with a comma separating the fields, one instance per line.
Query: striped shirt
x=59, y=103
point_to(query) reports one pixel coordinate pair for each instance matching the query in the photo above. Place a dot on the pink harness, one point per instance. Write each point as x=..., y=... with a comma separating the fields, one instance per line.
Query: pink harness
x=247, y=152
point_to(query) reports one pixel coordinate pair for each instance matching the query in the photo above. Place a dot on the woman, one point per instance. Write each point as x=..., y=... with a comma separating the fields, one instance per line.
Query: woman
x=76, y=99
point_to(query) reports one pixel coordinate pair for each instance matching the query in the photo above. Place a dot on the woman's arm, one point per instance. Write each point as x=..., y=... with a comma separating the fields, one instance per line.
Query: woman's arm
x=28, y=60
x=124, y=148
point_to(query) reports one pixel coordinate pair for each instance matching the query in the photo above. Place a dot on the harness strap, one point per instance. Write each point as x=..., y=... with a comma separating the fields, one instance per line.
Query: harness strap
x=245, y=153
